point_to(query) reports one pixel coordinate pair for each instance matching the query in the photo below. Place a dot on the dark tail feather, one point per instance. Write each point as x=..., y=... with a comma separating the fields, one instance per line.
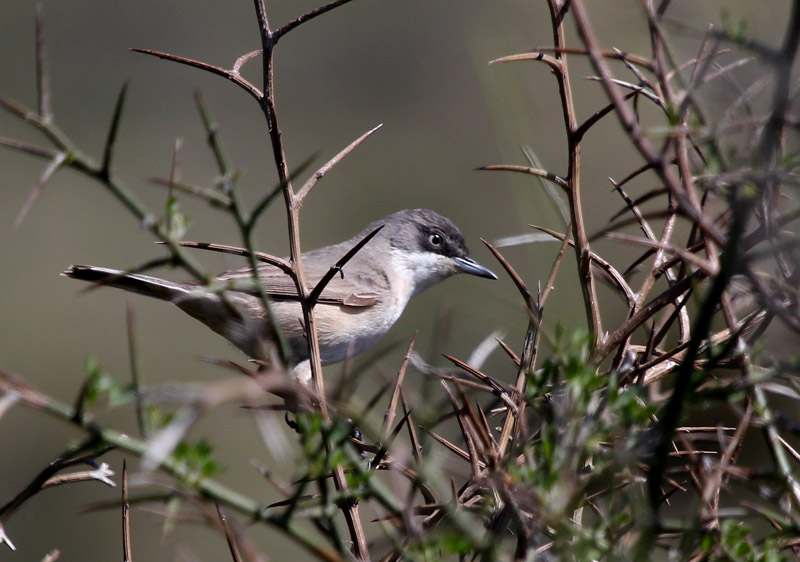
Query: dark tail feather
x=142, y=284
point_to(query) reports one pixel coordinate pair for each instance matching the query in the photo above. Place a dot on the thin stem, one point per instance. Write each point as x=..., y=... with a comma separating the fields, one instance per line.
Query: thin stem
x=574, y=136
x=267, y=102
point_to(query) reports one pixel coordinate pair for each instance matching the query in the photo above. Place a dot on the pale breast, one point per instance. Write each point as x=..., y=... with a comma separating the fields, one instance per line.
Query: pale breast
x=341, y=331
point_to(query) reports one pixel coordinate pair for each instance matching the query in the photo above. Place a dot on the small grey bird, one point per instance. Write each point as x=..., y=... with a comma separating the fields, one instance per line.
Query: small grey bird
x=414, y=250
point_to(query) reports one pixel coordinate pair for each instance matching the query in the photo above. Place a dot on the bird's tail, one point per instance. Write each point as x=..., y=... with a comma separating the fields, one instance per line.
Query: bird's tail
x=134, y=282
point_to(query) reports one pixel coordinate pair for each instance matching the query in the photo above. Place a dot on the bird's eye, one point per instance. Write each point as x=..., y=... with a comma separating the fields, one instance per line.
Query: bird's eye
x=436, y=240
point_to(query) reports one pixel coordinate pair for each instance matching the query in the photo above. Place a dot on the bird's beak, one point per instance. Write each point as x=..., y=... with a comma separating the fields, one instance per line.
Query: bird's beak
x=469, y=265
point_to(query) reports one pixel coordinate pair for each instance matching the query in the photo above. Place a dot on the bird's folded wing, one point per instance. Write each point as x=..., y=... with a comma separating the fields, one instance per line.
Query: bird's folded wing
x=330, y=295
x=278, y=285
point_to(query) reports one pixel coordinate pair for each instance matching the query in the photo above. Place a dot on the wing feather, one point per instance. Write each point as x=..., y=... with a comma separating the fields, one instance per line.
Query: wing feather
x=278, y=285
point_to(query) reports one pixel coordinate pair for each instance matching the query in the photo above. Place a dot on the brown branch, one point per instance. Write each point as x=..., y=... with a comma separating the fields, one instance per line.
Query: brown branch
x=581, y=242
x=127, y=555
x=319, y=174
x=550, y=61
x=614, y=54
x=55, y=164
x=634, y=131
x=267, y=103
x=28, y=148
x=708, y=269
x=398, y=388
x=230, y=537
x=298, y=21
x=550, y=176
x=615, y=275
x=236, y=251
x=219, y=71
x=42, y=75
x=631, y=324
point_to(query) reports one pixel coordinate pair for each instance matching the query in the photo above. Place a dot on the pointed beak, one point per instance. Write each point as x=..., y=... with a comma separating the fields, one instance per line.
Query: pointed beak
x=469, y=265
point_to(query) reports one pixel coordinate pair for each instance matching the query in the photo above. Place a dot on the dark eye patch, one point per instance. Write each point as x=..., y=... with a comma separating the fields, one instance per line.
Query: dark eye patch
x=441, y=239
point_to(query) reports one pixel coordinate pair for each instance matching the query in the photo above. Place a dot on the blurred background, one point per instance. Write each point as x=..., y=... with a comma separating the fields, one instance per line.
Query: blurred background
x=418, y=67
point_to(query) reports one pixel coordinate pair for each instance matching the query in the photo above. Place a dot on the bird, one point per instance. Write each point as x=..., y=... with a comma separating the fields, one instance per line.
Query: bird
x=415, y=249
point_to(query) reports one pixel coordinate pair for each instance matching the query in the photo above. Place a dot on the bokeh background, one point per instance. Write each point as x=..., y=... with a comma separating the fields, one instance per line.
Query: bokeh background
x=419, y=67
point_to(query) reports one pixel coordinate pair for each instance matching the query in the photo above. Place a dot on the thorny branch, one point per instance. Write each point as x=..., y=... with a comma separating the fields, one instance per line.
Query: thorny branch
x=591, y=426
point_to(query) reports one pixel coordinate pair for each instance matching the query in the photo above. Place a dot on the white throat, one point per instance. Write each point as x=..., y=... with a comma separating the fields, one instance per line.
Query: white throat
x=413, y=272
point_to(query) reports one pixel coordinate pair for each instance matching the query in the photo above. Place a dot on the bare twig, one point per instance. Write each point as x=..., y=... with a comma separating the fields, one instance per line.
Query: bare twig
x=398, y=389
x=337, y=267
x=319, y=174
x=42, y=73
x=550, y=176
x=127, y=555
